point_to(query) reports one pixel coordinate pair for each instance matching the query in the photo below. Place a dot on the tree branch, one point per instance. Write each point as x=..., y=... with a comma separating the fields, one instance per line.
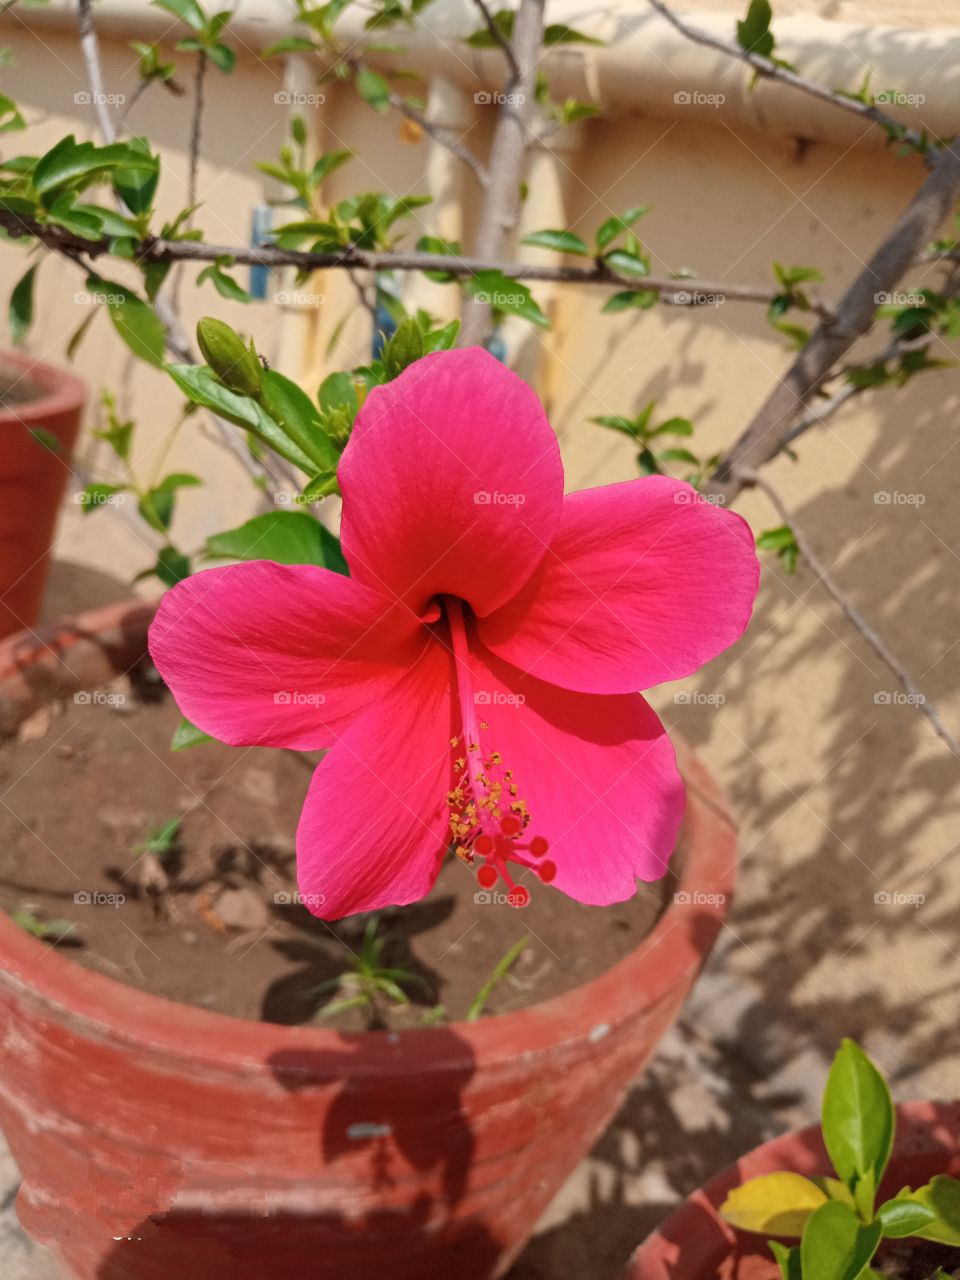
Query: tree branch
x=768, y=433
x=773, y=71
x=508, y=151
x=673, y=290
x=498, y=36
x=853, y=614
x=91, y=58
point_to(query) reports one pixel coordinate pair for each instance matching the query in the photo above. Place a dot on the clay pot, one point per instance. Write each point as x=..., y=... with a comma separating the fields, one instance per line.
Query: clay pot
x=33, y=476
x=161, y=1142
x=696, y=1244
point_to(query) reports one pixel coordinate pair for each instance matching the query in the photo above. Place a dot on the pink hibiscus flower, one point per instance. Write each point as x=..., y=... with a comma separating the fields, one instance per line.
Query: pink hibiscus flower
x=476, y=676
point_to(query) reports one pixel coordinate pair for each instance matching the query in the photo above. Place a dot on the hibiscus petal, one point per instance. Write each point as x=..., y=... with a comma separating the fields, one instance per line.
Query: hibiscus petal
x=375, y=824
x=644, y=581
x=598, y=775
x=452, y=483
x=279, y=655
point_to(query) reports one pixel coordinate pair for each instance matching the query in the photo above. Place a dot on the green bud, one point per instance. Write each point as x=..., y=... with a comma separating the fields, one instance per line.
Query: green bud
x=404, y=347
x=235, y=364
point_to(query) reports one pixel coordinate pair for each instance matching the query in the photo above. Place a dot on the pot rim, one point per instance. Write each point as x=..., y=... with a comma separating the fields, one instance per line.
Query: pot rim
x=61, y=390
x=94, y=1004
x=925, y=1128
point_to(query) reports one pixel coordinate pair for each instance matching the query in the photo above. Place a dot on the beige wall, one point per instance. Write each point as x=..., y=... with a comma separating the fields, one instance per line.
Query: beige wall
x=839, y=796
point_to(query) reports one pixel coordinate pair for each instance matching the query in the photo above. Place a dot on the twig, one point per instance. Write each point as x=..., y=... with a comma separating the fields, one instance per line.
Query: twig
x=444, y=136
x=678, y=291
x=91, y=57
x=196, y=126
x=499, y=37
x=773, y=71
x=854, y=615
x=770, y=428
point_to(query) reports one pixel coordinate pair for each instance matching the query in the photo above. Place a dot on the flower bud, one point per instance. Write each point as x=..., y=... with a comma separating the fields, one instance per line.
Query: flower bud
x=235, y=364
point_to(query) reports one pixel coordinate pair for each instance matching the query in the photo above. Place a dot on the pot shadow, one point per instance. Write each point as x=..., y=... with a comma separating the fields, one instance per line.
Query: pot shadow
x=395, y=1152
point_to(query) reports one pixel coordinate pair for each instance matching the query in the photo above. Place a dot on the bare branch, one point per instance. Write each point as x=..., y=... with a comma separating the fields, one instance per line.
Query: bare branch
x=196, y=126
x=768, y=433
x=773, y=71
x=676, y=291
x=90, y=49
x=498, y=36
x=853, y=614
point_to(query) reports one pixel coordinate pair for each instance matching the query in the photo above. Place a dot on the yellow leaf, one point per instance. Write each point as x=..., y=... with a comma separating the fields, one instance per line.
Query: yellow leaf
x=410, y=131
x=776, y=1204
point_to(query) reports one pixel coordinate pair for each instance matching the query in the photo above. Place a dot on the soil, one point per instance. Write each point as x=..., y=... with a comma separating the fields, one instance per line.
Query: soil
x=16, y=388
x=213, y=922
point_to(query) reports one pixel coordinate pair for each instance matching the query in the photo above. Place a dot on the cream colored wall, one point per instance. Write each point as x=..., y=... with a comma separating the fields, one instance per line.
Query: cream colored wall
x=840, y=797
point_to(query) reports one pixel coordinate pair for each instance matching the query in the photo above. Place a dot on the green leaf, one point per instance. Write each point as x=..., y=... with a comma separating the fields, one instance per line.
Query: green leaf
x=224, y=284
x=137, y=186
x=753, y=33
x=172, y=566
x=338, y=390
x=642, y=299
x=10, y=117
x=901, y=1218
x=70, y=160
x=134, y=320
x=776, y=1203
x=404, y=347
x=373, y=89
x=286, y=537
x=297, y=416
x=222, y=57
x=187, y=735
x=627, y=264
x=187, y=11
x=95, y=495
x=942, y=1195
x=858, y=1123
x=562, y=241
x=788, y=1260
x=326, y=165
x=507, y=296
x=500, y=971
x=21, y=306
x=558, y=33
x=199, y=385
x=615, y=226
x=835, y=1246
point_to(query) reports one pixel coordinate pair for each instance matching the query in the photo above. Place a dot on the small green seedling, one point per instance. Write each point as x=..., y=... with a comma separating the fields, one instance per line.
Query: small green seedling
x=161, y=841
x=500, y=971
x=52, y=931
x=837, y=1219
x=368, y=984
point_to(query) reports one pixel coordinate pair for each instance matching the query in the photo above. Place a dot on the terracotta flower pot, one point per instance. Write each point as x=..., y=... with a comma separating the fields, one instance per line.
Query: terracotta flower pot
x=158, y=1141
x=696, y=1244
x=32, y=481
